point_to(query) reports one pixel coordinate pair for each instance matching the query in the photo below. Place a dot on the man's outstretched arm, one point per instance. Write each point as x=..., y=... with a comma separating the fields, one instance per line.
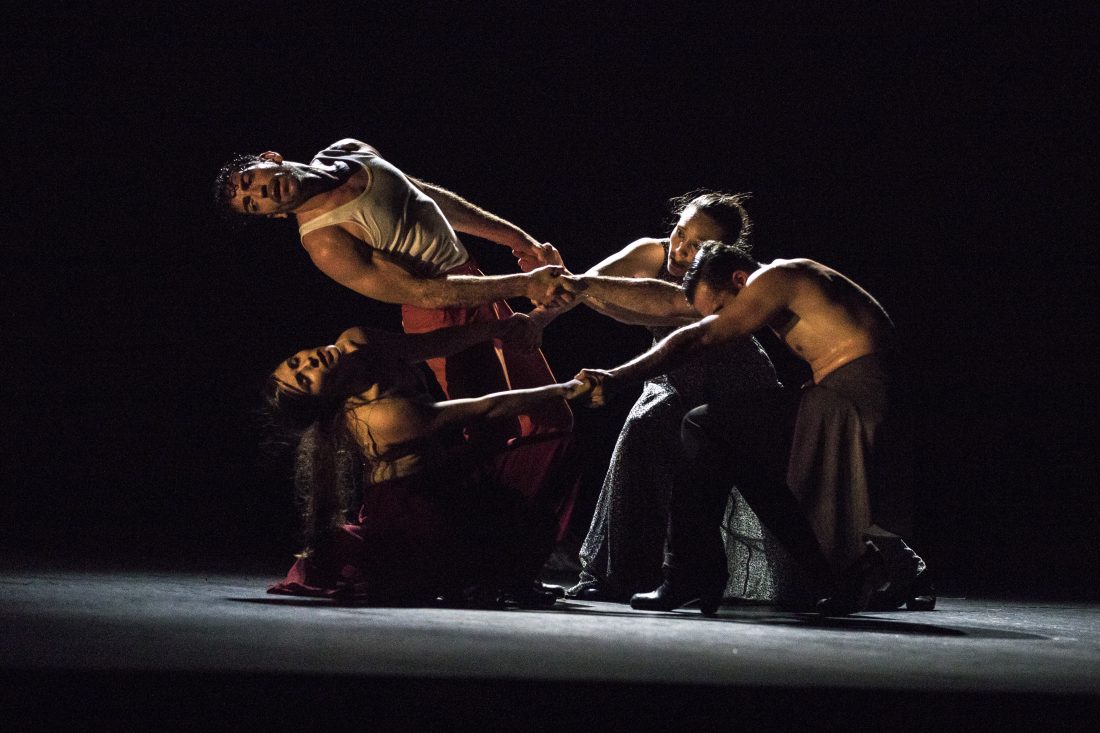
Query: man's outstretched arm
x=375, y=275
x=674, y=350
x=471, y=219
x=754, y=307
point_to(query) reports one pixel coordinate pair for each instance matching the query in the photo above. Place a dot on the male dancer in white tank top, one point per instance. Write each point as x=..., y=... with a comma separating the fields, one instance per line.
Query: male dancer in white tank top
x=390, y=237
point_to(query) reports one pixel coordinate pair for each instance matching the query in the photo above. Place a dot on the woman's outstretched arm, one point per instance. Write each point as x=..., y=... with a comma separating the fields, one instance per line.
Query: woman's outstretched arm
x=499, y=404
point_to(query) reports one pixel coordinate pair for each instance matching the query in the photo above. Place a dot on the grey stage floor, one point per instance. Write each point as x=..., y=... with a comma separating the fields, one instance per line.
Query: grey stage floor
x=112, y=647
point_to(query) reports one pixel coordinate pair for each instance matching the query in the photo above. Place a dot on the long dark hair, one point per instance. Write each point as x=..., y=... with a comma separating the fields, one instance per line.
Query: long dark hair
x=727, y=209
x=328, y=464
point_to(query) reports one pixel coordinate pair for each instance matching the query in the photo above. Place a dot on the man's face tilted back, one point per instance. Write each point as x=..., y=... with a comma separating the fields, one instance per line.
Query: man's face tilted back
x=266, y=188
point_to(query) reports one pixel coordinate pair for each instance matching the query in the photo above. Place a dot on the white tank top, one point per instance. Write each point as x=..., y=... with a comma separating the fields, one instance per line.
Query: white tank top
x=395, y=216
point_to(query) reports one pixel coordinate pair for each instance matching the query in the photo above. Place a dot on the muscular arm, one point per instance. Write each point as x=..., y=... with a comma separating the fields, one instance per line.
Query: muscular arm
x=612, y=295
x=673, y=351
x=643, y=300
x=753, y=308
x=466, y=217
x=371, y=273
x=610, y=288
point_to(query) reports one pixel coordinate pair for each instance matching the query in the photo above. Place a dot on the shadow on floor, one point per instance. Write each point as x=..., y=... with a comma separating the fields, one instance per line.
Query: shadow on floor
x=762, y=615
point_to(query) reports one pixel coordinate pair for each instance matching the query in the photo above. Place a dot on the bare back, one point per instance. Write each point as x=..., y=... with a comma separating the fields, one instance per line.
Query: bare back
x=394, y=436
x=390, y=414
x=828, y=319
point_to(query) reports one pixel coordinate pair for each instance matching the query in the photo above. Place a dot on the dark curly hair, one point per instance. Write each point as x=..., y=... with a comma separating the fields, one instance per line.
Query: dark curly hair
x=725, y=208
x=223, y=189
x=715, y=263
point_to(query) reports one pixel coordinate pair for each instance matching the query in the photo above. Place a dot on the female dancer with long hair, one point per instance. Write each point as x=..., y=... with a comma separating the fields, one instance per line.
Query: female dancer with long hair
x=440, y=517
x=624, y=550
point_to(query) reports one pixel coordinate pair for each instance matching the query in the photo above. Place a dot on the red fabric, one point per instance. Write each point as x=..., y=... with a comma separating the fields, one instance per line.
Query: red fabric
x=493, y=520
x=483, y=369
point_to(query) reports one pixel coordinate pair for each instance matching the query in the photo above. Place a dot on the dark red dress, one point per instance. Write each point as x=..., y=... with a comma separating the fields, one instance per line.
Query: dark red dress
x=488, y=521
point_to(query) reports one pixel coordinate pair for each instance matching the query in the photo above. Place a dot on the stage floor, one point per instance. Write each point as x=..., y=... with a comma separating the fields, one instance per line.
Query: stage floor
x=126, y=645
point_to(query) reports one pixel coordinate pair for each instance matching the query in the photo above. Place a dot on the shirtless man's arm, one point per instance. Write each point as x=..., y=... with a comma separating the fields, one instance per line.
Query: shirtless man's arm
x=371, y=273
x=759, y=303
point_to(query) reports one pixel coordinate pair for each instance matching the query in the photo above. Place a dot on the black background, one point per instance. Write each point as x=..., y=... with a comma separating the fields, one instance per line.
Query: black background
x=940, y=156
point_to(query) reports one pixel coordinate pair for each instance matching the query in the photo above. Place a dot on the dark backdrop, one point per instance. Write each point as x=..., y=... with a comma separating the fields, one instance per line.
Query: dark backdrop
x=940, y=157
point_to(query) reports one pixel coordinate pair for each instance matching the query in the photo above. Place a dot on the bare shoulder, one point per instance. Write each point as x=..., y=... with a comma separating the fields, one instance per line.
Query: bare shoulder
x=641, y=258
x=352, y=145
x=792, y=270
x=777, y=271
x=807, y=277
x=390, y=420
x=794, y=264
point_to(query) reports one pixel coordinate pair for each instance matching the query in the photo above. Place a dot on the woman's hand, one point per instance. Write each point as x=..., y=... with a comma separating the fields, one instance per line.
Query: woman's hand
x=595, y=384
x=575, y=389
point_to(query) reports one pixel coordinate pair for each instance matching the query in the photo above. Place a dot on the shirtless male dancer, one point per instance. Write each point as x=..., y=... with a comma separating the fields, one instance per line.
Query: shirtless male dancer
x=825, y=469
x=390, y=237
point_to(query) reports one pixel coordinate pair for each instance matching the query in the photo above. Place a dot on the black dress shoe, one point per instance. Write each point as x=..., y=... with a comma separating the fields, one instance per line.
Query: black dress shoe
x=922, y=594
x=557, y=590
x=862, y=578
x=524, y=598
x=669, y=597
x=594, y=590
x=919, y=594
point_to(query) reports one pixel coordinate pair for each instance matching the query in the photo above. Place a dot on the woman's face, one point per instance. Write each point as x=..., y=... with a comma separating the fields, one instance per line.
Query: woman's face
x=693, y=228
x=309, y=371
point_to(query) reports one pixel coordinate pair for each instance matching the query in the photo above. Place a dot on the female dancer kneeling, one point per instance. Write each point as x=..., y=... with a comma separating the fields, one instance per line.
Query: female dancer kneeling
x=440, y=517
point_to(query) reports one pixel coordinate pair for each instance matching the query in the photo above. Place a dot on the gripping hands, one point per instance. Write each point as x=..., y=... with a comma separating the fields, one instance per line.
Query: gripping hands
x=595, y=386
x=552, y=285
x=533, y=255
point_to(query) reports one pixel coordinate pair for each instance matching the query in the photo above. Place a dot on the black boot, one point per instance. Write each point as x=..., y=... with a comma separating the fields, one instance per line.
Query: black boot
x=528, y=598
x=596, y=590
x=919, y=594
x=862, y=578
x=557, y=590
x=670, y=596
